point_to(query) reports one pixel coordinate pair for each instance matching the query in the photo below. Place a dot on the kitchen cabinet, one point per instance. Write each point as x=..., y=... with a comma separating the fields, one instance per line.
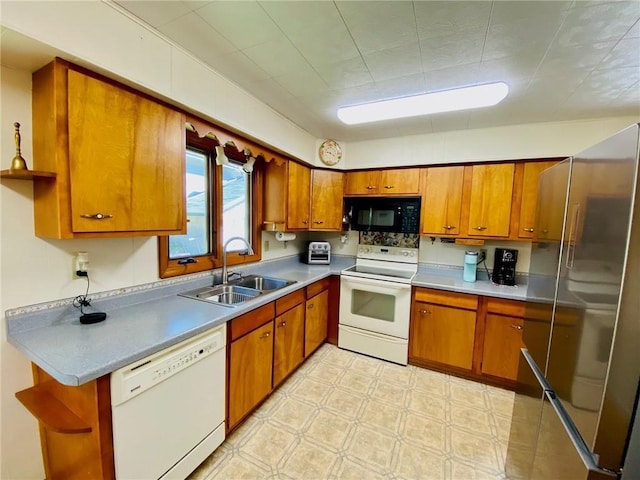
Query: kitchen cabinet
x=529, y=197
x=442, y=200
x=287, y=191
x=289, y=335
x=119, y=157
x=490, y=189
x=443, y=326
x=326, y=200
x=396, y=181
x=317, y=316
x=503, y=325
x=250, y=362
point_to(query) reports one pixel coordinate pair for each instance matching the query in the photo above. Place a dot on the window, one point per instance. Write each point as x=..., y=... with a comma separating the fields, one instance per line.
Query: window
x=220, y=202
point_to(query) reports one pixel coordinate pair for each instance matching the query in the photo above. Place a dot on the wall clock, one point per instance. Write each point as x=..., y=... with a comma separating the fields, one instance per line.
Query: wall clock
x=330, y=152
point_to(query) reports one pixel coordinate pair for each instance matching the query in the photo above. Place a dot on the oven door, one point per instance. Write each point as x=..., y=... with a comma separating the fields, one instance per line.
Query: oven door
x=378, y=306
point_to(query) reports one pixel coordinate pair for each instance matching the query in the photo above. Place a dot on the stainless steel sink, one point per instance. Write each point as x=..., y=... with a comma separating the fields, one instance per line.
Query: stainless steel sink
x=227, y=295
x=262, y=283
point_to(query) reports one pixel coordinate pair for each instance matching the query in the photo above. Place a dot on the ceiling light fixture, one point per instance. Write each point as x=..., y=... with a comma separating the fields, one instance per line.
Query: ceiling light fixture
x=444, y=101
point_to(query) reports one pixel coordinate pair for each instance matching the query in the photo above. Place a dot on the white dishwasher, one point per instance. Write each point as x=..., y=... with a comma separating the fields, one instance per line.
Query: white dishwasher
x=168, y=409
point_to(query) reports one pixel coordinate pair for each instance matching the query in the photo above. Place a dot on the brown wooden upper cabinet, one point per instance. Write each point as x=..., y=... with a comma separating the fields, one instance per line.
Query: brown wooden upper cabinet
x=442, y=201
x=395, y=181
x=532, y=171
x=326, y=200
x=490, y=189
x=119, y=158
x=287, y=191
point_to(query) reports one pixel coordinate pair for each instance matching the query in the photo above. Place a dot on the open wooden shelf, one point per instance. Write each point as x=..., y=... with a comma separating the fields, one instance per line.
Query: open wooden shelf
x=26, y=174
x=50, y=411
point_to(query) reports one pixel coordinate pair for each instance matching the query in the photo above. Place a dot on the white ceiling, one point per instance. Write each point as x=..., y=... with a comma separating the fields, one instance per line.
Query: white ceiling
x=562, y=60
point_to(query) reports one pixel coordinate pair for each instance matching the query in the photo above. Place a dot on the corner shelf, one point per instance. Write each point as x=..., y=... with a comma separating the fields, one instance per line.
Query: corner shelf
x=51, y=412
x=26, y=174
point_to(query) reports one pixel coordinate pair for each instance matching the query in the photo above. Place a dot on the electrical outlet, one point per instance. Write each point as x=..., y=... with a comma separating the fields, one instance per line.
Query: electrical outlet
x=80, y=263
x=482, y=255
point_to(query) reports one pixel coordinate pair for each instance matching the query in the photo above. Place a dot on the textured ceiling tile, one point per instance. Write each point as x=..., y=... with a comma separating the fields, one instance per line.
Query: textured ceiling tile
x=276, y=57
x=302, y=82
x=402, y=87
x=560, y=58
x=625, y=54
x=508, y=69
x=156, y=13
x=197, y=36
x=309, y=16
x=598, y=23
x=530, y=36
x=507, y=12
x=244, y=24
x=451, y=50
x=634, y=32
x=452, y=77
x=379, y=25
x=344, y=74
x=238, y=66
x=394, y=62
x=436, y=19
x=335, y=44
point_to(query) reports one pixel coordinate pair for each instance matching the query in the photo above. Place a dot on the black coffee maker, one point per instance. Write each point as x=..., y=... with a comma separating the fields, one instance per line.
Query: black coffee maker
x=504, y=266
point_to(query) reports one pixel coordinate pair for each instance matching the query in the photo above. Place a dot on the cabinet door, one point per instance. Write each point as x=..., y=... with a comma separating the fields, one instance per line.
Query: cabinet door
x=326, y=200
x=502, y=344
x=299, y=190
x=490, y=200
x=442, y=334
x=316, y=322
x=126, y=159
x=250, y=368
x=532, y=171
x=289, y=343
x=442, y=201
x=399, y=180
x=362, y=183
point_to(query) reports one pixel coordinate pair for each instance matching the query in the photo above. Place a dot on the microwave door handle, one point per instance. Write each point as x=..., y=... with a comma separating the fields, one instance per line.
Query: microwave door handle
x=370, y=218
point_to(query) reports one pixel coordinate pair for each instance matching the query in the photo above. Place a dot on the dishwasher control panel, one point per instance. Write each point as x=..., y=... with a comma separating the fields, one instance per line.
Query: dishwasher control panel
x=140, y=376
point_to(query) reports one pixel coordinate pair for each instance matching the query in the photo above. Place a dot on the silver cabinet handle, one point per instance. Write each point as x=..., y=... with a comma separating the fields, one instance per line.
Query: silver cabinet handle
x=425, y=312
x=448, y=227
x=517, y=327
x=530, y=230
x=318, y=222
x=479, y=228
x=370, y=187
x=282, y=324
x=96, y=216
x=265, y=334
x=388, y=186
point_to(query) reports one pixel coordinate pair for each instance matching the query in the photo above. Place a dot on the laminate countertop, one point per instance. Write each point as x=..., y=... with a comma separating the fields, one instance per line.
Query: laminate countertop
x=148, y=319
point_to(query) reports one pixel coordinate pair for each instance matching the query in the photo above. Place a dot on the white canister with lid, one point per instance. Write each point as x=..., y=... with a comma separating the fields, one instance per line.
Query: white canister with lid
x=470, y=266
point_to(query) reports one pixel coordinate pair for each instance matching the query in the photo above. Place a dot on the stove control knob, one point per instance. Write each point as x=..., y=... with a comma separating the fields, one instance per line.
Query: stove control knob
x=365, y=249
x=405, y=253
x=412, y=254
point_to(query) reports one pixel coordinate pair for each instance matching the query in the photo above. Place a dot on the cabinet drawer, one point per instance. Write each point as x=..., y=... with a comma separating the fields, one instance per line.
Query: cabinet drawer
x=250, y=321
x=317, y=287
x=512, y=308
x=450, y=299
x=289, y=301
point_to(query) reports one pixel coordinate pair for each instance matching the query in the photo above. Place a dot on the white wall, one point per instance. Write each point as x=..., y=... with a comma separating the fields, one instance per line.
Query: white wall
x=540, y=140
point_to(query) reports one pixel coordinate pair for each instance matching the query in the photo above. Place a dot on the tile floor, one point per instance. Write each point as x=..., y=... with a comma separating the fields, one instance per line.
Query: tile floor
x=345, y=415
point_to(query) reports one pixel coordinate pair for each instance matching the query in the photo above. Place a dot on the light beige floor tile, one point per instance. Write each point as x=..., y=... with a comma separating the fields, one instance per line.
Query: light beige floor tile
x=326, y=372
x=268, y=444
x=312, y=390
x=356, y=381
x=329, y=430
x=373, y=448
x=381, y=416
x=473, y=449
x=433, y=383
x=294, y=413
x=349, y=470
x=415, y=463
x=427, y=405
x=396, y=374
x=366, y=365
x=467, y=393
x=389, y=393
x=344, y=402
x=472, y=419
x=426, y=432
x=308, y=461
x=238, y=467
x=462, y=471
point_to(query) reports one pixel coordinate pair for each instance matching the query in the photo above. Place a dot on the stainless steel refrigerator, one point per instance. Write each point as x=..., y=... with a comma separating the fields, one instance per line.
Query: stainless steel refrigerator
x=578, y=379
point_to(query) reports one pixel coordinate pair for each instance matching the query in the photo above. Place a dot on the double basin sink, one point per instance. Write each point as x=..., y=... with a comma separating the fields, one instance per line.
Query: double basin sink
x=238, y=291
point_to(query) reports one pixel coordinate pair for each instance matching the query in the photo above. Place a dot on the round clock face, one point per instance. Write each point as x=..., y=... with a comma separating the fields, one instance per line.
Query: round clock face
x=330, y=152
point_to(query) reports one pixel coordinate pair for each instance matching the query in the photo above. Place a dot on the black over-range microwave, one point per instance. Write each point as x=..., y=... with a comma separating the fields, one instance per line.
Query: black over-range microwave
x=384, y=214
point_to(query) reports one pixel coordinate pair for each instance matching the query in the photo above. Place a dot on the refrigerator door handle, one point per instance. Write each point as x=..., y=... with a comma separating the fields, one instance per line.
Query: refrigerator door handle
x=536, y=370
x=571, y=244
x=588, y=458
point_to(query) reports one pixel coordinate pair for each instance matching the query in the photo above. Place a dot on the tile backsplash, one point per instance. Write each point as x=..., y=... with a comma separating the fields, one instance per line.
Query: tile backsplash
x=387, y=239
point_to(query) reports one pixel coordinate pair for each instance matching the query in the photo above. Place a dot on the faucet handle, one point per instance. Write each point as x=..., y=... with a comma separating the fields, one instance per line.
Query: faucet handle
x=231, y=274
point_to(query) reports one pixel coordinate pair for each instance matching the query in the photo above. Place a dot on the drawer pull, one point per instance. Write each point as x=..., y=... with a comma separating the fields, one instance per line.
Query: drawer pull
x=479, y=228
x=370, y=187
x=318, y=222
x=448, y=227
x=310, y=306
x=265, y=335
x=425, y=312
x=388, y=186
x=305, y=222
x=282, y=324
x=96, y=216
x=530, y=230
x=517, y=327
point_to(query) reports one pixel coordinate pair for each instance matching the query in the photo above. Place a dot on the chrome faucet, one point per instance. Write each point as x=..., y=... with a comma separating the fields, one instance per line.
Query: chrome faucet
x=225, y=275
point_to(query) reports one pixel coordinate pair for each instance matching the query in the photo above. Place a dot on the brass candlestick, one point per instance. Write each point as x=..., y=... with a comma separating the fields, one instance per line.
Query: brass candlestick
x=18, y=163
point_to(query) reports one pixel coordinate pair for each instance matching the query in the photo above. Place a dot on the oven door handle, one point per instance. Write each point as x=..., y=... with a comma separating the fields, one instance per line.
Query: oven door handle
x=376, y=283
x=377, y=336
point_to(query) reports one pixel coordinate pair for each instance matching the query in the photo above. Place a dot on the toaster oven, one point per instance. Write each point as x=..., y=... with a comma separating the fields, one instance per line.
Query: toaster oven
x=318, y=253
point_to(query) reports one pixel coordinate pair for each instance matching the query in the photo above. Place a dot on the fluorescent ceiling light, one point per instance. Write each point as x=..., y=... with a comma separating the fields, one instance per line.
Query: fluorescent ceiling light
x=445, y=101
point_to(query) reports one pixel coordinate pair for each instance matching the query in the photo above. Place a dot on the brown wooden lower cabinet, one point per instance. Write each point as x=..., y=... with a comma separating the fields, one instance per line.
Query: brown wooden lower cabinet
x=289, y=343
x=316, y=322
x=467, y=335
